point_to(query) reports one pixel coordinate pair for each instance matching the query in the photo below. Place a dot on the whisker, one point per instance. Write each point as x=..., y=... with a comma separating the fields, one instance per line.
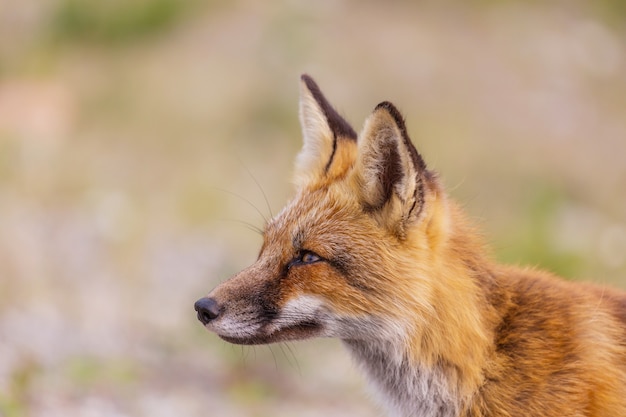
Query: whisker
x=242, y=355
x=267, y=203
x=273, y=356
x=242, y=198
x=290, y=351
x=248, y=225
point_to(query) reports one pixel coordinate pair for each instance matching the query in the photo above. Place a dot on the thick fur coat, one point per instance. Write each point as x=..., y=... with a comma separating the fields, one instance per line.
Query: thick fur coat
x=372, y=251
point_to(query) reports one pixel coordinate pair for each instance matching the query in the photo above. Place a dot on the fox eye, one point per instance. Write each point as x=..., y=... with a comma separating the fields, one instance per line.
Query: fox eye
x=309, y=258
x=306, y=257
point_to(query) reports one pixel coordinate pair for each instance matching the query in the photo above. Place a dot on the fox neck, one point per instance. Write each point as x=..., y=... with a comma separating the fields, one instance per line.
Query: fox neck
x=436, y=367
x=406, y=388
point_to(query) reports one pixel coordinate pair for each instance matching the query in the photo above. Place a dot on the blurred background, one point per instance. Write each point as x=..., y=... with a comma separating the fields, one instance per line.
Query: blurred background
x=139, y=141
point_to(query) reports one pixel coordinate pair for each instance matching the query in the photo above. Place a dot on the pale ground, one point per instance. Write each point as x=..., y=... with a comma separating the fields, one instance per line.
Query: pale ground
x=127, y=167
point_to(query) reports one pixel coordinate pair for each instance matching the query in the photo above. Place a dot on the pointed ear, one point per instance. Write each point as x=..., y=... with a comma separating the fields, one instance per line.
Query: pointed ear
x=390, y=173
x=323, y=130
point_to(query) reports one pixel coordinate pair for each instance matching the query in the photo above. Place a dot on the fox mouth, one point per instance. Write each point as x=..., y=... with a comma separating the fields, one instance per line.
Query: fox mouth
x=303, y=330
x=298, y=319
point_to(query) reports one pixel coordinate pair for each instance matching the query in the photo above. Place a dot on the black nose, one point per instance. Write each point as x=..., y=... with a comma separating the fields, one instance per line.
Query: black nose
x=207, y=309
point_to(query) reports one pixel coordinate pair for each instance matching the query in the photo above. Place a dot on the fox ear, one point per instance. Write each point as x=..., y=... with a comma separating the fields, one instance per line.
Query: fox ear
x=324, y=132
x=389, y=172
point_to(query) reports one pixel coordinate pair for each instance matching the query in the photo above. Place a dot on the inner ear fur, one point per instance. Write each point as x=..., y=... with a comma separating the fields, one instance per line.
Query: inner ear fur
x=390, y=173
x=328, y=138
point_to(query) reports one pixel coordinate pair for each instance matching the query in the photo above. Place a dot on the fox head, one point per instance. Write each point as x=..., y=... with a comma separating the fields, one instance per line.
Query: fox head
x=352, y=255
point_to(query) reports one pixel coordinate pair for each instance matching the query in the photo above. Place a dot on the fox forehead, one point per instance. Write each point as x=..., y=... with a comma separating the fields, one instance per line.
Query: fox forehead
x=318, y=220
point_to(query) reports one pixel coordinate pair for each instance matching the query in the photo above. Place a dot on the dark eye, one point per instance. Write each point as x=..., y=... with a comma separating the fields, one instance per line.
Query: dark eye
x=309, y=257
x=305, y=257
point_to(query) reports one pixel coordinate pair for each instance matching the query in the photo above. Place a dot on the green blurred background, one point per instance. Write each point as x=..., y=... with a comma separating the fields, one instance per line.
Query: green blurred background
x=137, y=141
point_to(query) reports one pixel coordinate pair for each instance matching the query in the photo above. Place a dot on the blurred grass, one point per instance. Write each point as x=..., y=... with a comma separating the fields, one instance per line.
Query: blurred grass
x=14, y=399
x=611, y=11
x=87, y=372
x=133, y=136
x=530, y=241
x=115, y=22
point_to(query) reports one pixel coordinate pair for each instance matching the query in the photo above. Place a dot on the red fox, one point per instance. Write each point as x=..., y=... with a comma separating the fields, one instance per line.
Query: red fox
x=372, y=251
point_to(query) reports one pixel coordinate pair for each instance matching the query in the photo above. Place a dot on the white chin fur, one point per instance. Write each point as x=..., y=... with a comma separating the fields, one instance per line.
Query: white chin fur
x=240, y=326
x=304, y=308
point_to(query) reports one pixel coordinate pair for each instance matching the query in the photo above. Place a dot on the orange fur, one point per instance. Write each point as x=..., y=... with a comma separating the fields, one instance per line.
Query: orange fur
x=372, y=251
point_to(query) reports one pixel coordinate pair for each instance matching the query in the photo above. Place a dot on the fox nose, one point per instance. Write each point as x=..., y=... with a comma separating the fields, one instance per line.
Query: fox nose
x=207, y=309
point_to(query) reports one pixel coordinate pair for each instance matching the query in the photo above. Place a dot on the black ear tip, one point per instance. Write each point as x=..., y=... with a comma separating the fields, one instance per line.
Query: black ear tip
x=337, y=124
x=393, y=111
x=308, y=80
x=387, y=105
